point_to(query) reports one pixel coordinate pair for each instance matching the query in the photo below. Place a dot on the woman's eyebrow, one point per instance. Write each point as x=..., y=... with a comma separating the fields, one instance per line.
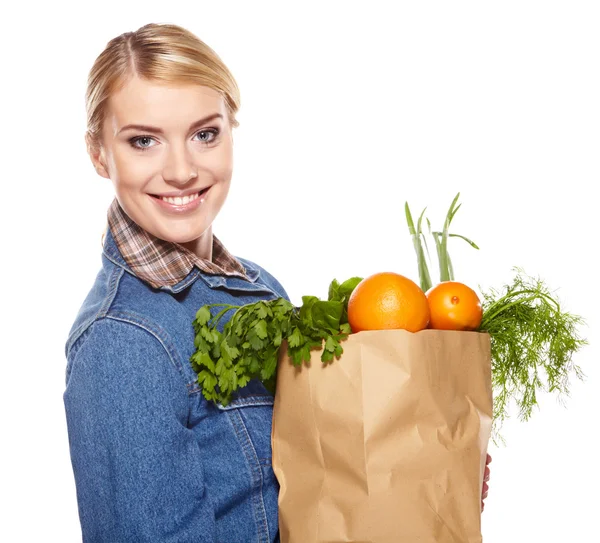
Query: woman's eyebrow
x=156, y=130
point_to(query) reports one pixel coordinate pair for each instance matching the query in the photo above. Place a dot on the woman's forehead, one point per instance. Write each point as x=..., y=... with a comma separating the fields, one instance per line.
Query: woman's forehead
x=146, y=102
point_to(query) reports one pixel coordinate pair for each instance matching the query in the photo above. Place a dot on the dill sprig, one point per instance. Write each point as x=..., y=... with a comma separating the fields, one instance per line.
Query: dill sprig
x=532, y=345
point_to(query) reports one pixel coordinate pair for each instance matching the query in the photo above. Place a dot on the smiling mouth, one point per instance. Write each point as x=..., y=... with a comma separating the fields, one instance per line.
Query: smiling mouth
x=179, y=200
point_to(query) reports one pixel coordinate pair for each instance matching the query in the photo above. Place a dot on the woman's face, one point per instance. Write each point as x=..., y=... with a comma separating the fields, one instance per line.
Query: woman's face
x=172, y=171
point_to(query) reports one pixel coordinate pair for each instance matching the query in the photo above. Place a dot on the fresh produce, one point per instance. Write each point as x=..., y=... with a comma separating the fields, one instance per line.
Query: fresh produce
x=533, y=339
x=441, y=243
x=247, y=346
x=387, y=301
x=454, y=306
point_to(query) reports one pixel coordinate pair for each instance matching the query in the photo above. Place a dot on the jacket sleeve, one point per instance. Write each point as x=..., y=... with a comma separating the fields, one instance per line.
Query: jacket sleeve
x=137, y=466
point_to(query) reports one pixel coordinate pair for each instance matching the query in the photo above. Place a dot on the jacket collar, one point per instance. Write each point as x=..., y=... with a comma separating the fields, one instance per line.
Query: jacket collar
x=111, y=251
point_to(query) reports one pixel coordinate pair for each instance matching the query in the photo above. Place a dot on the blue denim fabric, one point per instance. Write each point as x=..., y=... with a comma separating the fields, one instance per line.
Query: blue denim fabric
x=153, y=460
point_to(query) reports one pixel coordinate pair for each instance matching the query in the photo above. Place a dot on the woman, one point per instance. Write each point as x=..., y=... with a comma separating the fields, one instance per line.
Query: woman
x=153, y=460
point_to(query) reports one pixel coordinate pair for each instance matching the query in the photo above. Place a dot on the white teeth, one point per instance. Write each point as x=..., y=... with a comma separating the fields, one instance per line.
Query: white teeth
x=178, y=201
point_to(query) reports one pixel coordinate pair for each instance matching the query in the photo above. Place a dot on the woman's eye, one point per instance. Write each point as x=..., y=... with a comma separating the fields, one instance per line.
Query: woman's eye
x=141, y=140
x=210, y=135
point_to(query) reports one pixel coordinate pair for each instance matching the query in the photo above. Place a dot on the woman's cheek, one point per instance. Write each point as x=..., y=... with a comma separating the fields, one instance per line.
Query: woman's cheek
x=136, y=174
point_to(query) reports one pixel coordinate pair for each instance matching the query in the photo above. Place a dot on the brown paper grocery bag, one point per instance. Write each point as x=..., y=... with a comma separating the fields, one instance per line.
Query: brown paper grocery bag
x=386, y=444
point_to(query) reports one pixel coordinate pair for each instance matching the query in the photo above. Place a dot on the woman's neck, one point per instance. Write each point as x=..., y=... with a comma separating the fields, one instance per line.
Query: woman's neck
x=201, y=247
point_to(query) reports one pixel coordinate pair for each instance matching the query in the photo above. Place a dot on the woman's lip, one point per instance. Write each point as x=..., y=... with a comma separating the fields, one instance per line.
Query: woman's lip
x=179, y=209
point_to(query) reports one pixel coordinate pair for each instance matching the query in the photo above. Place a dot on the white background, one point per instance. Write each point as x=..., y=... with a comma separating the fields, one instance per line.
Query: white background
x=348, y=110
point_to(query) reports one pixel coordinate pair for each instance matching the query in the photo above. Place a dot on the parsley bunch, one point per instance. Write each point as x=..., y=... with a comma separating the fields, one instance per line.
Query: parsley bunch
x=248, y=346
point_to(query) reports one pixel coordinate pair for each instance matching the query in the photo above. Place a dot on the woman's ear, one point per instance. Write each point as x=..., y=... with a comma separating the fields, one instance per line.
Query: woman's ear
x=96, y=153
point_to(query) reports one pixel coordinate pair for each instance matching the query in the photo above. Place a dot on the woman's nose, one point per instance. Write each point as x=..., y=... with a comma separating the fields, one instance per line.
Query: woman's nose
x=179, y=167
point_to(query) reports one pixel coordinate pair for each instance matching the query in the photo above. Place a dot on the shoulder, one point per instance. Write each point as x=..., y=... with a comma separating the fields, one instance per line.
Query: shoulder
x=111, y=335
x=116, y=355
x=267, y=278
x=120, y=366
x=121, y=309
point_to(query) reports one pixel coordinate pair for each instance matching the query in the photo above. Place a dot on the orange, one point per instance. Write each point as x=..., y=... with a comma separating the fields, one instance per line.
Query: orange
x=454, y=306
x=386, y=301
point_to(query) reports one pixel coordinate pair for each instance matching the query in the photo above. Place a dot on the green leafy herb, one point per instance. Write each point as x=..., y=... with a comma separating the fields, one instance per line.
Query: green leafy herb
x=532, y=344
x=446, y=271
x=249, y=344
x=417, y=235
x=533, y=339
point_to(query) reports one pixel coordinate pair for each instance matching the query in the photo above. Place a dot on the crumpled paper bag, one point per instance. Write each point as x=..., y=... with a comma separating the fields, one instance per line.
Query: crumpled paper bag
x=386, y=444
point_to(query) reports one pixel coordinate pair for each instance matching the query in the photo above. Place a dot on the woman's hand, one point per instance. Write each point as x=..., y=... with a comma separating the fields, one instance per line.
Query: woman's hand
x=486, y=478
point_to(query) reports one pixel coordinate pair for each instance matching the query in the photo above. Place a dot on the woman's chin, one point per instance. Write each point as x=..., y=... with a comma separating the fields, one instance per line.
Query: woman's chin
x=182, y=236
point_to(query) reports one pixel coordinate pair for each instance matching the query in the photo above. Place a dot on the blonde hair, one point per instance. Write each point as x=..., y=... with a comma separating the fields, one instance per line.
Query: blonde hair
x=165, y=53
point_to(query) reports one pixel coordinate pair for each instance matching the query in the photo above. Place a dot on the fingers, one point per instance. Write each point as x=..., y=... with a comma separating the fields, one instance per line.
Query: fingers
x=486, y=478
x=484, y=491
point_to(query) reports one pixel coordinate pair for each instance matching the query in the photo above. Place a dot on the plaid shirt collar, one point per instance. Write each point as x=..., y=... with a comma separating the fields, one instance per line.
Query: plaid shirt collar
x=164, y=263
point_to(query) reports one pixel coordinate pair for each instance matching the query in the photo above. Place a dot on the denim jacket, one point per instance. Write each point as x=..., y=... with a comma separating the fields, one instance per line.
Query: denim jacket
x=153, y=460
